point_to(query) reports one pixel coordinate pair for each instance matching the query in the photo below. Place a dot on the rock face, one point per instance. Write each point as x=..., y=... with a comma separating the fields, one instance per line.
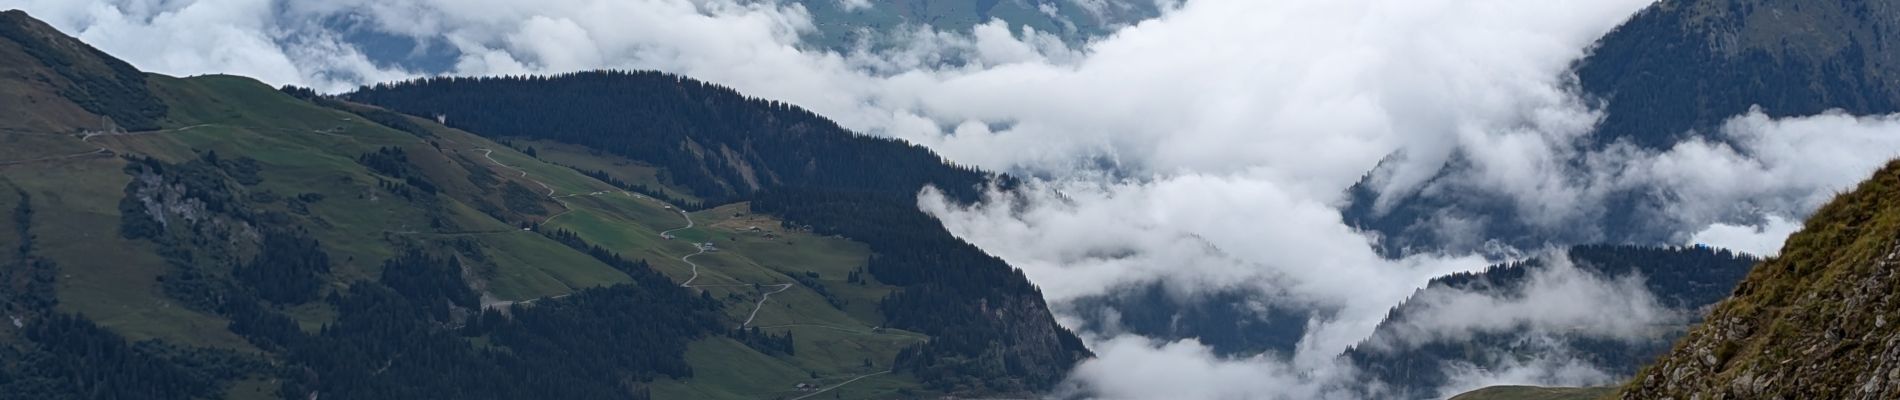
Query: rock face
x=1818, y=322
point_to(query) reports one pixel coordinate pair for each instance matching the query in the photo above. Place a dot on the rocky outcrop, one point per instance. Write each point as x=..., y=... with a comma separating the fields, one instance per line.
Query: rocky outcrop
x=1822, y=321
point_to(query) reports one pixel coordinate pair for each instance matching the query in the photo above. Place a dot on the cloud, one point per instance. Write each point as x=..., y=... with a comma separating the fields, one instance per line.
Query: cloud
x=1135, y=368
x=1762, y=240
x=1556, y=368
x=854, y=5
x=1753, y=171
x=1559, y=298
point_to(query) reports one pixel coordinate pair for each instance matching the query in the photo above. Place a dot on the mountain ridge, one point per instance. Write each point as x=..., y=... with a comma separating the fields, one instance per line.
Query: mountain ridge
x=265, y=243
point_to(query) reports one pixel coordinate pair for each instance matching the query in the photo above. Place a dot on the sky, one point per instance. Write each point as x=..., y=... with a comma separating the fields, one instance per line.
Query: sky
x=1205, y=150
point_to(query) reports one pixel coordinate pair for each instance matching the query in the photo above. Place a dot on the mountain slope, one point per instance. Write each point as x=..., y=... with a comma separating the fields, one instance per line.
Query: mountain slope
x=265, y=243
x=56, y=83
x=722, y=146
x=1812, y=323
x=1684, y=65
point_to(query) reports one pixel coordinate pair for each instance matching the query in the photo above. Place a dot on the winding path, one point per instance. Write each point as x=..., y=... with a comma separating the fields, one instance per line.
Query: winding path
x=102, y=151
x=688, y=259
x=490, y=155
x=768, y=296
x=565, y=208
x=841, y=384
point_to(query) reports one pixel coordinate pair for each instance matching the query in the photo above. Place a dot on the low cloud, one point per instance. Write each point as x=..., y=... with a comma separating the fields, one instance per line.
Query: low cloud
x=1133, y=368
x=1755, y=171
x=1763, y=240
x=1555, y=367
x=1558, y=298
x=854, y=5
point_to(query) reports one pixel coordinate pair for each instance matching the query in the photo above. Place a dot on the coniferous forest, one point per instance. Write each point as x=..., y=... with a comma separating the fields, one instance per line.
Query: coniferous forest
x=725, y=147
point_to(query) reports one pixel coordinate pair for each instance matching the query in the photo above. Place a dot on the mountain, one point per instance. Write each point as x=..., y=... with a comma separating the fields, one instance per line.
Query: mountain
x=57, y=83
x=1233, y=323
x=222, y=238
x=1685, y=66
x=1414, y=355
x=1677, y=69
x=1812, y=323
x=721, y=145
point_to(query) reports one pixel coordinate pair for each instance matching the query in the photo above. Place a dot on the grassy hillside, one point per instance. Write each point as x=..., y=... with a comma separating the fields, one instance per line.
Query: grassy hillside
x=1811, y=323
x=307, y=167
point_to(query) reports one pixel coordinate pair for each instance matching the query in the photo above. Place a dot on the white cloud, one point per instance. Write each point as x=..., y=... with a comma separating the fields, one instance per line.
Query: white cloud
x=1557, y=368
x=1754, y=170
x=1559, y=298
x=854, y=5
x=1136, y=368
x=1762, y=240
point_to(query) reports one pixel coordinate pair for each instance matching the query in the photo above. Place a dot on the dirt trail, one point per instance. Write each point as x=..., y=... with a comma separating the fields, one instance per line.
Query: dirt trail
x=839, y=385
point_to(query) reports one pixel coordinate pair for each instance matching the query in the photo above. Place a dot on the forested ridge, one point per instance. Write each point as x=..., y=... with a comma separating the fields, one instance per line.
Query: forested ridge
x=1685, y=280
x=991, y=329
x=972, y=303
x=712, y=140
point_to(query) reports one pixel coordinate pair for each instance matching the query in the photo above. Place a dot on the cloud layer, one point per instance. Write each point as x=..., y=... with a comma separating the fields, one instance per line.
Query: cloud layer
x=1207, y=149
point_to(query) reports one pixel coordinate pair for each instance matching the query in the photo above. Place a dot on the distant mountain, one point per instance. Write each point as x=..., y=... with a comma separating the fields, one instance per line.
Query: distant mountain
x=1818, y=322
x=1676, y=69
x=1413, y=363
x=843, y=25
x=1236, y=323
x=1685, y=66
x=1684, y=281
x=213, y=237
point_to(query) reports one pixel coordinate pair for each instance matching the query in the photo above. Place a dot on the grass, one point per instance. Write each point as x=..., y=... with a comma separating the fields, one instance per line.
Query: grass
x=529, y=266
x=1535, y=393
x=305, y=148
x=832, y=342
x=625, y=170
x=102, y=276
x=761, y=377
x=27, y=146
x=1823, y=283
x=765, y=377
